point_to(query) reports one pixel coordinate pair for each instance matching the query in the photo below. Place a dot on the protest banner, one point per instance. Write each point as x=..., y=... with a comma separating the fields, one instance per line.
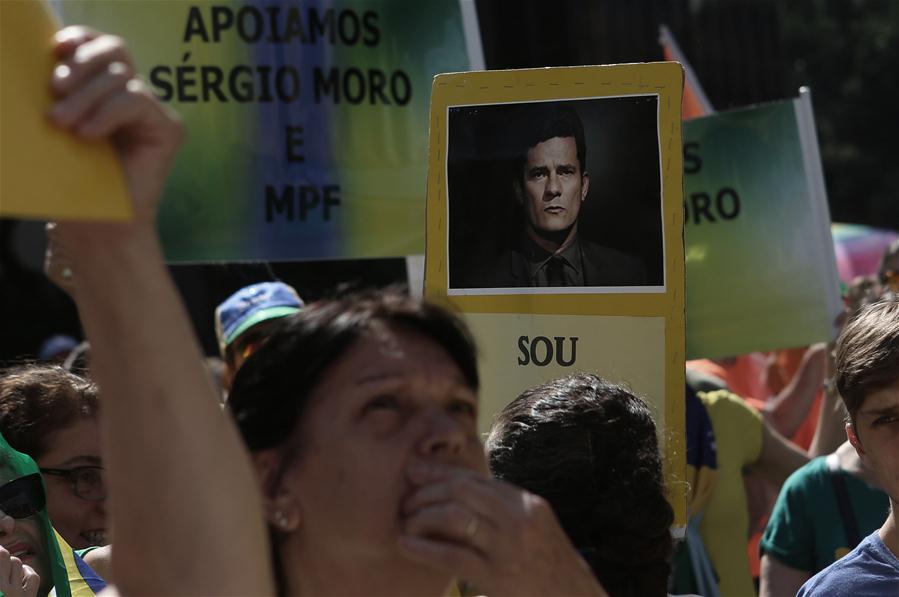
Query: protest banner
x=46, y=173
x=306, y=134
x=606, y=187
x=761, y=271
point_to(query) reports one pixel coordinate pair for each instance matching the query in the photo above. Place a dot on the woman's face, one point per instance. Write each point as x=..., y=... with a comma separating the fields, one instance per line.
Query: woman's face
x=391, y=398
x=23, y=538
x=81, y=522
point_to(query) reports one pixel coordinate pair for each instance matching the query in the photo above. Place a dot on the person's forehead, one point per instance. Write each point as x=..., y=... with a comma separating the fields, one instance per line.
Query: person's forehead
x=554, y=145
x=80, y=437
x=883, y=399
x=388, y=351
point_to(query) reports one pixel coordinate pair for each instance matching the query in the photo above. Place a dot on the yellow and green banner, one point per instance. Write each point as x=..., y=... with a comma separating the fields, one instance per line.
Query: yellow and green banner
x=306, y=121
x=761, y=271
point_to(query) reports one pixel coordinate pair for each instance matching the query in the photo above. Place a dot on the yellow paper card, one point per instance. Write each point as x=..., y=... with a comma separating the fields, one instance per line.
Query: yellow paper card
x=555, y=225
x=46, y=173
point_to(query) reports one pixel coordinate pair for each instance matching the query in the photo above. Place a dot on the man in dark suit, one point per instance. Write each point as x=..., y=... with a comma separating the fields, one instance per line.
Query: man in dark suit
x=551, y=184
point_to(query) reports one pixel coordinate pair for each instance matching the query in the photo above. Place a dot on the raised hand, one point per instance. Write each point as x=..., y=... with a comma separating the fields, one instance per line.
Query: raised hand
x=98, y=95
x=16, y=579
x=502, y=539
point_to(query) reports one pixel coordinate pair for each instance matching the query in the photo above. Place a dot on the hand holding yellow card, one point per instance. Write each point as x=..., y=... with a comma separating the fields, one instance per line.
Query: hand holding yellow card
x=46, y=173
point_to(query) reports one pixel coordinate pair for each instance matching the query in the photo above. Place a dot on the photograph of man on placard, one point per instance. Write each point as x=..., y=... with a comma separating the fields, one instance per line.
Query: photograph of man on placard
x=521, y=195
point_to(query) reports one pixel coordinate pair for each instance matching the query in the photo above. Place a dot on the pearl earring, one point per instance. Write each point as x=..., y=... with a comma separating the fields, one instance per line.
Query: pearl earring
x=281, y=520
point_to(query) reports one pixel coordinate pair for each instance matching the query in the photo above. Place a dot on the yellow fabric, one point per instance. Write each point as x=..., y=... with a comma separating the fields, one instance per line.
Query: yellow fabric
x=47, y=174
x=78, y=585
x=702, y=484
x=725, y=524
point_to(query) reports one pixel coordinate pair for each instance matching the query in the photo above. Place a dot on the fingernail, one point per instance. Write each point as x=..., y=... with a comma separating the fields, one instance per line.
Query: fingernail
x=64, y=35
x=117, y=68
x=62, y=71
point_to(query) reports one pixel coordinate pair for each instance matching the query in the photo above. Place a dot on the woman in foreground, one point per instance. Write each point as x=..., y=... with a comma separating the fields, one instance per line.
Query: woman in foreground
x=361, y=414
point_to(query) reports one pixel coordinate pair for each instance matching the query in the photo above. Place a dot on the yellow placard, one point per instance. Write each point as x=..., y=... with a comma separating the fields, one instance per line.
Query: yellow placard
x=514, y=342
x=618, y=300
x=46, y=173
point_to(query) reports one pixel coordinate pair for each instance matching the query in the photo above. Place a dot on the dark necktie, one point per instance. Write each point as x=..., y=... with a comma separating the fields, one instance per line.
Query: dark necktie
x=555, y=271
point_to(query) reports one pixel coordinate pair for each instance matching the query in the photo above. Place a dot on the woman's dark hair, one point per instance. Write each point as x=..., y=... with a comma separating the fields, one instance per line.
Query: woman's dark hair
x=36, y=401
x=271, y=390
x=589, y=448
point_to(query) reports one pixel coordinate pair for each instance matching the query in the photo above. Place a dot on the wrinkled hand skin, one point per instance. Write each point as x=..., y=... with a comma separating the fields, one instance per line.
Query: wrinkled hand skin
x=16, y=579
x=501, y=539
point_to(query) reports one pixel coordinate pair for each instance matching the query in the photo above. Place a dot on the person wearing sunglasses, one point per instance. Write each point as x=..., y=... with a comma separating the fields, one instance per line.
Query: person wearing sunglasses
x=52, y=415
x=24, y=564
x=25, y=532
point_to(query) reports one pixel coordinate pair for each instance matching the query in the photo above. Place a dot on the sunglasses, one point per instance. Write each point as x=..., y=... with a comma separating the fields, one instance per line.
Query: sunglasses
x=23, y=497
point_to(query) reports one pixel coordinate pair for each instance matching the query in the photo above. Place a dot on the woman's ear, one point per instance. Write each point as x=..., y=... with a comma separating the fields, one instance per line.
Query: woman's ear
x=282, y=508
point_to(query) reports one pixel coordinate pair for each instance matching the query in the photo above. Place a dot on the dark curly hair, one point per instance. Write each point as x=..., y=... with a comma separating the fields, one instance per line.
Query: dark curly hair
x=36, y=401
x=589, y=448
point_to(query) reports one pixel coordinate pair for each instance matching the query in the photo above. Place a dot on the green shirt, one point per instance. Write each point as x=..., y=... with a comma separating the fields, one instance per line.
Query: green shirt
x=806, y=530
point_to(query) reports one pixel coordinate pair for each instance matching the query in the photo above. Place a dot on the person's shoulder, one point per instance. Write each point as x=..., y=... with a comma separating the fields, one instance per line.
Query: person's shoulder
x=500, y=270
x=807, y=485
x=614, y=266
x=100, y=560
x=609, y=255
x=870, y=569
x=815, y=472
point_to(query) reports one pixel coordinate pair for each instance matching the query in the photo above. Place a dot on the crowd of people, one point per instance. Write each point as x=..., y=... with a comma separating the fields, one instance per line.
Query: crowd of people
x=335, y=450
